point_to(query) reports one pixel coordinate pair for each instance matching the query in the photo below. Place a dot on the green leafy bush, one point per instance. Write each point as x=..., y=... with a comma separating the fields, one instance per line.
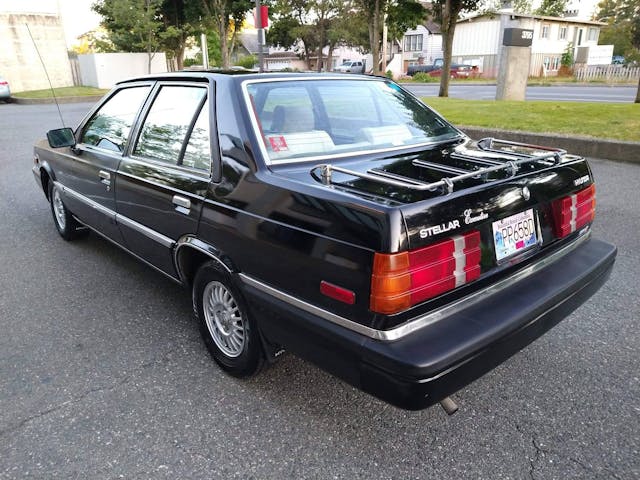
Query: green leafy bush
x=422, y=77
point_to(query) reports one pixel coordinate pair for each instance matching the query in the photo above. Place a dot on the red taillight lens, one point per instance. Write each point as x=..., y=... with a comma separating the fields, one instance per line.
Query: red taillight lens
x=4, y=83
x=574, y=212
x=404, y=279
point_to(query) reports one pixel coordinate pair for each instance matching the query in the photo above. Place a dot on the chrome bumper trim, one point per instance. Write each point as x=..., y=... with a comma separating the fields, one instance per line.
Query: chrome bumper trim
x=419, y=322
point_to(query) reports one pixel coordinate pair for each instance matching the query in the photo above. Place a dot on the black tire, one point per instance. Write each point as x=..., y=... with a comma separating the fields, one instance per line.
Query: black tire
x=227, y=328
x=68, y=227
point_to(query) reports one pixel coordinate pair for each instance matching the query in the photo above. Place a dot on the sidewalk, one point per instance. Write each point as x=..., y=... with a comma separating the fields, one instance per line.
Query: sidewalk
x=586, y=146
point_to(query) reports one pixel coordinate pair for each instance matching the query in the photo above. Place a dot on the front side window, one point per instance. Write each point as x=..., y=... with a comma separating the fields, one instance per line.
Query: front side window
x=168, y=122
x=302, y=120
x=110, y=126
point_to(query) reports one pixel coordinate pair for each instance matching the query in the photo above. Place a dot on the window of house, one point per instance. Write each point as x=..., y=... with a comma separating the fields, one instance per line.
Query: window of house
x=110, y=125
x=555, y=63
x=544, y=33
x=168, y=122
x=592, y=35
x=562, y=33
x=413, y=43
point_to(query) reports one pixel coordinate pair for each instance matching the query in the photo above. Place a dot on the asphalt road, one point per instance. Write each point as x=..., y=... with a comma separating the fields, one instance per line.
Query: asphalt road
x=103, y=373
x=609, y=94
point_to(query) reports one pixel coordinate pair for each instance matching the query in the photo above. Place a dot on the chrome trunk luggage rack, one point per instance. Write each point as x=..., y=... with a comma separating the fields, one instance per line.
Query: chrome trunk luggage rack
x=448, y=183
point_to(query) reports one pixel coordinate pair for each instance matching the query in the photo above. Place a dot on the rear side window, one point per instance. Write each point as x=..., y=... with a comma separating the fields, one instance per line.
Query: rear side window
x=198, y=151
x=168, y=122
x=110, y=126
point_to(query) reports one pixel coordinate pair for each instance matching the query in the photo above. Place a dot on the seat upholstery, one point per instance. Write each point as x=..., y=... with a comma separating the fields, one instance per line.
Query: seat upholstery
x=288, y=118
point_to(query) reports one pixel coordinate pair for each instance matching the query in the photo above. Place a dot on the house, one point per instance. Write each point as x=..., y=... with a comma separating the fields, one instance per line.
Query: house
x=478, y=40
x=421, y=45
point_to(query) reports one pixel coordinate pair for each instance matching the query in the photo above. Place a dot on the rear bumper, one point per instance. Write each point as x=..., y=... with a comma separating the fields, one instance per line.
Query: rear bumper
x=422, y=368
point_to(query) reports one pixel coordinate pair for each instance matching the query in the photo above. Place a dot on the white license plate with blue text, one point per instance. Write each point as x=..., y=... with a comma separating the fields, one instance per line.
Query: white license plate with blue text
x=514, y=234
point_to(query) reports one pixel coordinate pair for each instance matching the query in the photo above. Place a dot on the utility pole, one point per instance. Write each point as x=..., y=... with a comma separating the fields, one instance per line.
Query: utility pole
x=258, y=18
x=205, y=51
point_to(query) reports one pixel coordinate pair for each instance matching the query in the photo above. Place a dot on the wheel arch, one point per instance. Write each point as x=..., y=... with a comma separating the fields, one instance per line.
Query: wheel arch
x=190, y=252
x=46, y=176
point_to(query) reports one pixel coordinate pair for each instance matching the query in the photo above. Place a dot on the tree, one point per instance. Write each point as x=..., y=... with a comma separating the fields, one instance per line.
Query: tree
x=133, y=24
x=227, y=17
x=308, y=26
x=401, y=15
x=447, y=12
x=181, y=20
x=552, y=8
x=149, y=25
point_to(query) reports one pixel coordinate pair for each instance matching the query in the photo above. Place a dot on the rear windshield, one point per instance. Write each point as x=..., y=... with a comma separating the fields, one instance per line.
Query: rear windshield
x=312, y=119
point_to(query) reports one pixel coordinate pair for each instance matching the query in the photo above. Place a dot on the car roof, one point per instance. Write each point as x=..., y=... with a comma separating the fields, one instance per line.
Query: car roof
x=238, y=76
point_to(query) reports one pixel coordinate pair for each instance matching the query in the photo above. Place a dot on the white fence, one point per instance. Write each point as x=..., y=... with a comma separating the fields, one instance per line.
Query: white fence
x=609, y=73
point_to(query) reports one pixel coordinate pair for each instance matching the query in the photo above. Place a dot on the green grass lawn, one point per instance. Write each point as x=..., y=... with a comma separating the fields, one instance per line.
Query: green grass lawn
x=61, y=92
x=619, y=121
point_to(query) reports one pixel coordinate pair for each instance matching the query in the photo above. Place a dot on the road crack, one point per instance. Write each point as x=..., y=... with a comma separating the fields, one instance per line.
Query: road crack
x=72, y=401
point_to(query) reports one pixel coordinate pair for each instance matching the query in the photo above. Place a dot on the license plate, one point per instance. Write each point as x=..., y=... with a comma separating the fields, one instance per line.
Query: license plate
x=514, y=234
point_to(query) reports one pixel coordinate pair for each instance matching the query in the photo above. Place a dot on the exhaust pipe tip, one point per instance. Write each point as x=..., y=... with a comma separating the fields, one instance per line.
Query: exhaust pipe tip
x=449, y=405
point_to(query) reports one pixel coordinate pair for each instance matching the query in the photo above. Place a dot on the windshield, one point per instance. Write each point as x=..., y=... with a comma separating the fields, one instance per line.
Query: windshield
x=312, y=119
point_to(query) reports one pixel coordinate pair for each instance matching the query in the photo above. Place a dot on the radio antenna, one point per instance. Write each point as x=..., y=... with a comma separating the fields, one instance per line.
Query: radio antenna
x=46, y=73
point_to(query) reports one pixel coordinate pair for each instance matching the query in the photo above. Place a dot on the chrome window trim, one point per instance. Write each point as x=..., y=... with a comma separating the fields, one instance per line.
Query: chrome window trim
x=263, y=149
x=417, y=323
x=194, y=173
x=121, y=219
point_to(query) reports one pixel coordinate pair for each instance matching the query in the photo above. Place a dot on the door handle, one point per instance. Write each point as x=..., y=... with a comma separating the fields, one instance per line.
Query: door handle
x=183, y=202
x=105, y=178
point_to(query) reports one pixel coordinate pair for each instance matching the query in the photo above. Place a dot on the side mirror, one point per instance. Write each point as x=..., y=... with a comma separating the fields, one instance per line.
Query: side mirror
x=61, y=137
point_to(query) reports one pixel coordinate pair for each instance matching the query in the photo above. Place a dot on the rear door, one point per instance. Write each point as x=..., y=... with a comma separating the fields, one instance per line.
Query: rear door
x=87, y=172
x=164, y=178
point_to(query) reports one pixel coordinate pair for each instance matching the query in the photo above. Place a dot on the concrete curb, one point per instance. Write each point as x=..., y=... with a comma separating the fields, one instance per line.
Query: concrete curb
x=37, y=101
x=588, y=147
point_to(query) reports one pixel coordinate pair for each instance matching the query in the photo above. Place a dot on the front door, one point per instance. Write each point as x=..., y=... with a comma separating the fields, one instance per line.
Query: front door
x=87, y=172
x=163, y=180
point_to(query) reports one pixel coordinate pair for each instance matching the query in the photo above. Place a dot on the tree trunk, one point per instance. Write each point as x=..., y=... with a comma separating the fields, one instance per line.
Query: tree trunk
x=638, y=93
x=179, y=53
x=224, y=49
x=374, y=37
x=330, y=57
x=449, y=16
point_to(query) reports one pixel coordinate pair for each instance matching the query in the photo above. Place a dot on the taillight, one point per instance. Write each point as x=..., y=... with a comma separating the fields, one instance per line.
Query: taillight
x=574, y=212
x=401, y=280
x=4, y=83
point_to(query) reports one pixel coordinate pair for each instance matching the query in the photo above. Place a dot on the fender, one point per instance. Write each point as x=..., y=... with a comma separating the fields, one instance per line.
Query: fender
x=191, y=241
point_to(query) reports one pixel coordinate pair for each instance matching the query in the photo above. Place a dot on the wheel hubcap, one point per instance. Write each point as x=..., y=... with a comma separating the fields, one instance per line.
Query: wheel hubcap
x=224, y=319
x=58, y=209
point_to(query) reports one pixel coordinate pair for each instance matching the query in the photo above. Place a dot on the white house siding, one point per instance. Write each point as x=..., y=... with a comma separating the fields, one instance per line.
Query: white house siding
x=479, y=41
x=431, y=47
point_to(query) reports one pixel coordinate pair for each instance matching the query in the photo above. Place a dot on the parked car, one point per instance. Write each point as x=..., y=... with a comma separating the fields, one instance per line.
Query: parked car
x=5, y=91
x=356, y=66
x=435, y=69
x=618, y=60
x=379, y=242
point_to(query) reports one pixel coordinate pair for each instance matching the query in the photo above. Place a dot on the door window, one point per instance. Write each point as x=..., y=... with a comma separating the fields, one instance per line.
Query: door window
x=198, y=151
x=110, y=126
x=168, y=122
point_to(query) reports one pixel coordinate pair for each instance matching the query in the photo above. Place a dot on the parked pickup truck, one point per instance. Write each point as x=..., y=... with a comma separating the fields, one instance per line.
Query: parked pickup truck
x=435, y=69
x=379, y=242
